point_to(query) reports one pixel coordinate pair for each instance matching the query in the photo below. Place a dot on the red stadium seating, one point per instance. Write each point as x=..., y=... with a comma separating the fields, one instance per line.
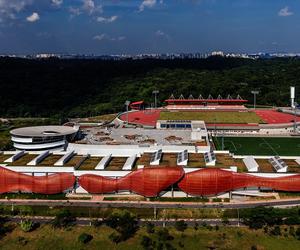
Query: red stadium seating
x=215, y=181
x=11, y=181
x=148, y=182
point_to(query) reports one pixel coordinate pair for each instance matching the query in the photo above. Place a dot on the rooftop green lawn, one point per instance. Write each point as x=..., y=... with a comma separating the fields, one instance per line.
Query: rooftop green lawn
x=212, y=116
x=90, y=163
x=260, y=145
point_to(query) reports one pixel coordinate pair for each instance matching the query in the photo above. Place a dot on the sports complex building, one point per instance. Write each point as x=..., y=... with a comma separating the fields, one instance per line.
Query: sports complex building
x=43, y=137
x=173, y=151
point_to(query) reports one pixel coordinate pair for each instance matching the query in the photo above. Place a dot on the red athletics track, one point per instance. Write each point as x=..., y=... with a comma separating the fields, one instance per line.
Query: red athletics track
x=275, y=117
x=149, y=117
x=143, y=117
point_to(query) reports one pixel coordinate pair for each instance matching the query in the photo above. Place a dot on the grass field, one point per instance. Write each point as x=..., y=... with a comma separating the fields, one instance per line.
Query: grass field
x=212, y=116
x=46, y=237
x=260, y=145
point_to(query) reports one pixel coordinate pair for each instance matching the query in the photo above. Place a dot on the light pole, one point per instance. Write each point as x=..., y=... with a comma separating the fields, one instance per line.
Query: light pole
x=127, y=105
x=254, y=92
x=295, y=117
x=155, y=93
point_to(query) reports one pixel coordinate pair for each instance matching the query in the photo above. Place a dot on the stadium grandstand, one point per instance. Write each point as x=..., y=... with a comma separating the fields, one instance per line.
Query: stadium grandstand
x=210, y=102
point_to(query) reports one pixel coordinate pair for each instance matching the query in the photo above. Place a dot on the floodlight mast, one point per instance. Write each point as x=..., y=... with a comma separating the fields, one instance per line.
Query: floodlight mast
x=294, y=106
x=155, y=93
x=127, y=103
x=254, y=92
x=295, y=117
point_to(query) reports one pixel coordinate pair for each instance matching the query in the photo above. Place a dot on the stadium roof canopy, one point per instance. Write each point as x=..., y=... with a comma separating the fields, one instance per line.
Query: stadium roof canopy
x=203, y=101
x=209, y=99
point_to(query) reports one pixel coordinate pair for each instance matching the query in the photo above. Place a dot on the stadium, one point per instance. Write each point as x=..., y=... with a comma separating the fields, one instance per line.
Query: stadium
x=223, y=116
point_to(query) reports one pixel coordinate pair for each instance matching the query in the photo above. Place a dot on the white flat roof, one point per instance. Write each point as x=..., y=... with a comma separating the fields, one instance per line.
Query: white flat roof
x=43, y=131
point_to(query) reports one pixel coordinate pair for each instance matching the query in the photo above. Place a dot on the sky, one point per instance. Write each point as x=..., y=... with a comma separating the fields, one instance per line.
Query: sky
x=149, y=26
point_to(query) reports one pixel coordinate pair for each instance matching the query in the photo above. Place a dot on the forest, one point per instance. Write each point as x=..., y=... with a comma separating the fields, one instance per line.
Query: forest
x=78, y=88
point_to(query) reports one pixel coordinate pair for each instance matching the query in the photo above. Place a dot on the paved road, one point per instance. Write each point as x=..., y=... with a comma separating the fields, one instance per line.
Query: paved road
x=145, y=204
x=160, y=222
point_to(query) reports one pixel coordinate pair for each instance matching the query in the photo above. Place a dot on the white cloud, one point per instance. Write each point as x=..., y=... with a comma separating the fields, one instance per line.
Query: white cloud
x=90, y=7
x=160, y=33
x=74, y=11
x=57, y=2
x=9, y=8
x=285, y=12
x=147, y=4
x=107, y=20
x=33, y=17
x=106, y=37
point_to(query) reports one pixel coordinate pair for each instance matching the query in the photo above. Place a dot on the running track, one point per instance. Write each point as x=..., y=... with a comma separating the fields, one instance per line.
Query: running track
x=149, y=117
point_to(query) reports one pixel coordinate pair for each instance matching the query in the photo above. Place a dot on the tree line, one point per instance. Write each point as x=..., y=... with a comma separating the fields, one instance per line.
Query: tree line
x=78, y=88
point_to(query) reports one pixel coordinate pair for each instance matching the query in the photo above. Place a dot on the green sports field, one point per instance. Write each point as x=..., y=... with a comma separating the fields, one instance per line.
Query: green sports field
x=260, y=145
x=212, y=116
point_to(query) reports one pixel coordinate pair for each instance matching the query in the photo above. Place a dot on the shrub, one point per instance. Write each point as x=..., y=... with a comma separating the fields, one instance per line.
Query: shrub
x=239, y=234
x=164, y=235
x=292, y=231
x=115, y=237
x=85, y=238
x=124, y=223
x=63, y=219
x=253, y=247
x=180, y=225
x=150, y=228
x=147, y=243
x=180, y=244
x=298, y=232
x=22, y=241
x=169, y=246
x=276, y=231
x=27, y=225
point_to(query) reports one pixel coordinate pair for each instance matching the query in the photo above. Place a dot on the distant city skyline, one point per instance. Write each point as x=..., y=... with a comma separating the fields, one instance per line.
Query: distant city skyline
x=107, y=27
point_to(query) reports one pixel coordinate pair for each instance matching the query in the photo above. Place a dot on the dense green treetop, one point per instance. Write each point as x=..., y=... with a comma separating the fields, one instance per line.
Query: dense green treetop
x=56, y=87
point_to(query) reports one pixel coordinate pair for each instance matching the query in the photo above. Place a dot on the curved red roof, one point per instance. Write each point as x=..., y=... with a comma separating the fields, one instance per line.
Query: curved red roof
x=213, y=181
x=148, y=182
x=11, y=181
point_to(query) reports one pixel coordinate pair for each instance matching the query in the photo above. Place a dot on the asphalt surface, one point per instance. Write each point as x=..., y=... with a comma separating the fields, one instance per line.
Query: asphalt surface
x=143, y=204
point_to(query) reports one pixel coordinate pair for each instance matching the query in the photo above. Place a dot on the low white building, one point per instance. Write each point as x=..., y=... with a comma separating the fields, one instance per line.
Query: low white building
x=41, y=138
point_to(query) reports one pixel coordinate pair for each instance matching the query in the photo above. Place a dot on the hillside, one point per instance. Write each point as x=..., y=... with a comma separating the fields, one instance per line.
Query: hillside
x=61, y=88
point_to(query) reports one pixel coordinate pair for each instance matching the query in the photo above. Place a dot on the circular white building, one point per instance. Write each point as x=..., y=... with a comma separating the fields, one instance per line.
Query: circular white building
x=43, y=137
